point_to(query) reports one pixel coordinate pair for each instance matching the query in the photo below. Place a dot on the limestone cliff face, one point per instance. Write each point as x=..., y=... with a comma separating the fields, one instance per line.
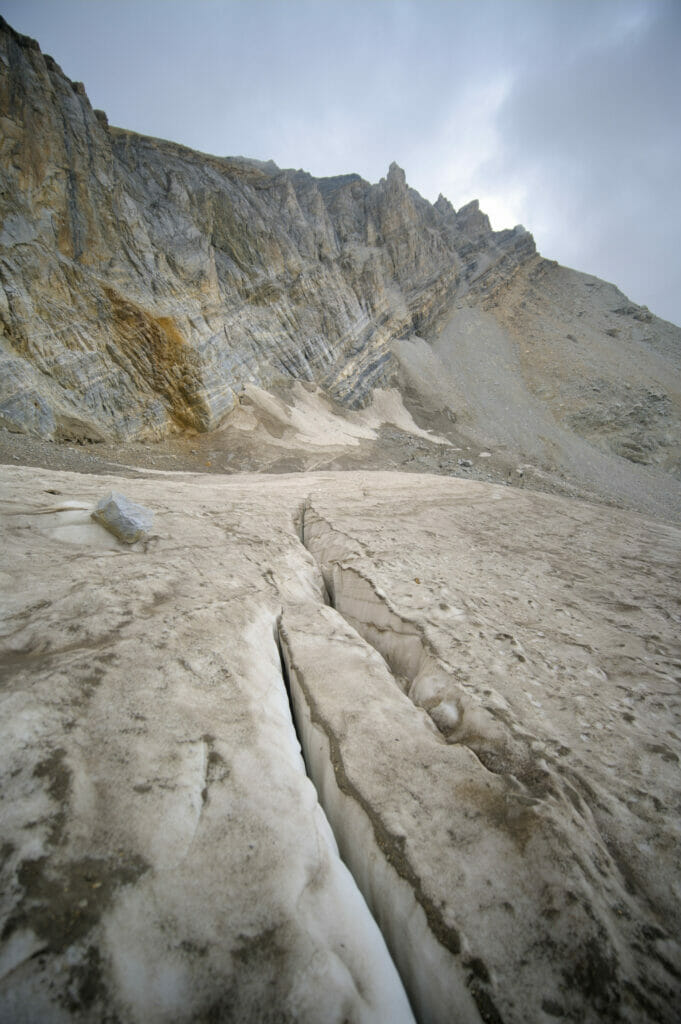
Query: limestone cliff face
x=141, y=283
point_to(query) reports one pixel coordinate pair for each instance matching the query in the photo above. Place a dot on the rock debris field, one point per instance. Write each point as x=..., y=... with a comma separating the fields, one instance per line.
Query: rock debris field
x=337, y=747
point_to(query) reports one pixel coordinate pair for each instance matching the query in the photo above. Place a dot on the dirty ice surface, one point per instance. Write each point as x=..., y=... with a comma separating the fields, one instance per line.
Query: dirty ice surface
x=486, y=685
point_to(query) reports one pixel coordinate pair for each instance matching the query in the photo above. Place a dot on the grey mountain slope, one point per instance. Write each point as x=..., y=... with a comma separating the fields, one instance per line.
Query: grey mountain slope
x=558, y=392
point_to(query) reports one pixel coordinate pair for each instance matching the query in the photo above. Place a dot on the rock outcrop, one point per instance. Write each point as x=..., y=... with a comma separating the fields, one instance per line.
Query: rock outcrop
x=143, y=283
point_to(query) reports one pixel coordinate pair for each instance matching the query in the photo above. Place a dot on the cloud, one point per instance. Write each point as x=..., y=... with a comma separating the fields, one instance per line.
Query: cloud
x=590, y=139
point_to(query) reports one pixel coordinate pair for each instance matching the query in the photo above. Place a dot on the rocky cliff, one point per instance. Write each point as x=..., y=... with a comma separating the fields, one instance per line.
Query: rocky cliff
x=143, y=283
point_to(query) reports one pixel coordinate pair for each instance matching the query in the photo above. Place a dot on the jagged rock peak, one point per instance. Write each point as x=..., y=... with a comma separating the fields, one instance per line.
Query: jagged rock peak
x=396, y=176
x=472, y=220
x=443, y=206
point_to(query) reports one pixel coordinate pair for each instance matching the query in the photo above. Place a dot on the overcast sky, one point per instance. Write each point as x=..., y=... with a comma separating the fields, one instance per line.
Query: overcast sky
x=562, y=115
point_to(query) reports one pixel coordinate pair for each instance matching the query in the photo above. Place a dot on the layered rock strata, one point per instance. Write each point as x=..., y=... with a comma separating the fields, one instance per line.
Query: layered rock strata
x=143, y=283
